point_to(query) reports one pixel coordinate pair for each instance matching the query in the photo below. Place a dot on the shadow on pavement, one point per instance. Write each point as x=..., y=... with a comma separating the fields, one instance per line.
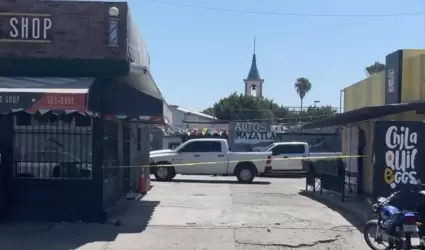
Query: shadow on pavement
x=65, y=236
x=217, y=182
x=285, y=176
x=350, y=217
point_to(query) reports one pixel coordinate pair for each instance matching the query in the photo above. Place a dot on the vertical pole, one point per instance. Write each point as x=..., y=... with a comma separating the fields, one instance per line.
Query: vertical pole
x=342, y=174
x=321, y=186
x=113, y=32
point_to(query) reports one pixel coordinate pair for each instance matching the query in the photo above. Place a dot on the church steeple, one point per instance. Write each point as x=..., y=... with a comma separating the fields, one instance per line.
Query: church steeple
x=254, y=83
x=254, y=74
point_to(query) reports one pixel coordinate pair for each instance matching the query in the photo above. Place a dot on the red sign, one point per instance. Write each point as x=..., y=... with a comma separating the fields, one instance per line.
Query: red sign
x=61, y=101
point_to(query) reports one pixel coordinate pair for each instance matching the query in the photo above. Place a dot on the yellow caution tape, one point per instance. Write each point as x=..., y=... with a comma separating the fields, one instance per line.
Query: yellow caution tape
x=253, y=160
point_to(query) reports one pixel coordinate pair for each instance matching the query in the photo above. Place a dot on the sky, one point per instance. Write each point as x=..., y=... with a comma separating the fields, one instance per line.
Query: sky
x=199, y=55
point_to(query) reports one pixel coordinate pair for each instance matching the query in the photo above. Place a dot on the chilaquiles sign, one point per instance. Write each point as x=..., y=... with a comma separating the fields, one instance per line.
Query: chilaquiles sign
x=399, y=155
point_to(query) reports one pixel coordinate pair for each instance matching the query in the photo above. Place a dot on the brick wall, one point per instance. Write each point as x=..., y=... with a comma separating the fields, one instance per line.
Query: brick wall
x=78, y=29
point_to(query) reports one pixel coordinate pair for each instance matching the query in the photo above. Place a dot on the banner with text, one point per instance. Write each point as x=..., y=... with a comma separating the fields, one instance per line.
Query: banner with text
x=252, y=132
x=399, y=155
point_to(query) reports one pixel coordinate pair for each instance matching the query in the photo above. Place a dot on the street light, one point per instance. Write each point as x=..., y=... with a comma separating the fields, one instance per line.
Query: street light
x=316, y=102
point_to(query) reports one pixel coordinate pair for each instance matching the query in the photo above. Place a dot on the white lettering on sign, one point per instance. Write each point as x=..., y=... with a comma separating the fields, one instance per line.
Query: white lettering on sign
x=253, y=132
x=400, y=156
x=254, y=137
x=30, y=28
x=9, y=99
x=250, y=127
x=391, y=81
x=55, y=100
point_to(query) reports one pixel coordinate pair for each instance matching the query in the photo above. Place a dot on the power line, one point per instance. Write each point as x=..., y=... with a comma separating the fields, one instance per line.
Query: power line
x=284, y=13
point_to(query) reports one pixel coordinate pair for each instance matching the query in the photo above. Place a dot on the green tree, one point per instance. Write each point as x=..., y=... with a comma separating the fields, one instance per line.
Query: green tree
x=310, y=114
x=375, y=68
x=302, y=86
x=240, y=107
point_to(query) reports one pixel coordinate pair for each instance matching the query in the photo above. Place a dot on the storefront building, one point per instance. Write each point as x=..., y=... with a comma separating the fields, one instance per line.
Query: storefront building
x=76, y=98
x=394, y=95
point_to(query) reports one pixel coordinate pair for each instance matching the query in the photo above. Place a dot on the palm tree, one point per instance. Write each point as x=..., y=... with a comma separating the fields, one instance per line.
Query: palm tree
x=302, y=86
x=374, y=68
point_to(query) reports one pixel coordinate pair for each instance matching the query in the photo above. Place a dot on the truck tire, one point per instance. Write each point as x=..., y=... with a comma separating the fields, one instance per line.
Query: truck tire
x=245, y=172
x=164, y=173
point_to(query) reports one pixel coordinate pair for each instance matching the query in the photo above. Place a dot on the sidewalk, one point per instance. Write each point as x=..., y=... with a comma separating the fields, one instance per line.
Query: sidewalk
x=129, y=217
x=357, y=207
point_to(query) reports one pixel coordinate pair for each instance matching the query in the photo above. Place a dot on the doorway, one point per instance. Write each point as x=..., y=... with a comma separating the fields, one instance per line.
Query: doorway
x=360, y=163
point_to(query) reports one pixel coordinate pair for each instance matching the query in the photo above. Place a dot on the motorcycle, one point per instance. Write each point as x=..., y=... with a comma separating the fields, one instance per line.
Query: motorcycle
x=394, y=226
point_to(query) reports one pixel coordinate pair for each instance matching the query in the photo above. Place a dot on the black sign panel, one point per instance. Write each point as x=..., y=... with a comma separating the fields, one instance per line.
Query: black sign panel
x=21, y=28
x=399, y=155
x=393, y=77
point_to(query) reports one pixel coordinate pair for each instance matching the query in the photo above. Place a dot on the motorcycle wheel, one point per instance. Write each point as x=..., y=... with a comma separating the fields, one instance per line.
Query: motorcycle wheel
x=408, y=243
x=373, y=224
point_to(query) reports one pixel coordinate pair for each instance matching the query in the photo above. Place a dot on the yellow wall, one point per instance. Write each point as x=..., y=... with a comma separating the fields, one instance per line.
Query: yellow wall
x=413, y=85
x=371, y=91
x=367, y=92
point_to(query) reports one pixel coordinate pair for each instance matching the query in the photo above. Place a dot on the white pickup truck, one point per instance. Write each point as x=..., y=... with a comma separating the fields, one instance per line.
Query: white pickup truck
x=208, y=157
x=282, y=152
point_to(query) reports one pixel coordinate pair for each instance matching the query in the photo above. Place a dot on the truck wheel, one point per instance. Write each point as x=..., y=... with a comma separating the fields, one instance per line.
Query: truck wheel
x=164, y=173
x=245, y=172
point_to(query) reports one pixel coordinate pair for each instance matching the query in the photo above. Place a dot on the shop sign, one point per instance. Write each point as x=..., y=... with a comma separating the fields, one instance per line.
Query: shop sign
x=398, y=155
x=391, y=81
x=393, y=77
x=25, y=27
x=60, y=101
x=9, y=99
x=253, y=132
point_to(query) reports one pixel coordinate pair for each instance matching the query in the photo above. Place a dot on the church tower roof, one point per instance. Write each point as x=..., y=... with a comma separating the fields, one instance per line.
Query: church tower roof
x=254, y=74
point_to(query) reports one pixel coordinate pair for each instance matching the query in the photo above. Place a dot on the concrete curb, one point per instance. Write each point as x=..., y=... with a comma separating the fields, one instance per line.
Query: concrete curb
x=348, y=206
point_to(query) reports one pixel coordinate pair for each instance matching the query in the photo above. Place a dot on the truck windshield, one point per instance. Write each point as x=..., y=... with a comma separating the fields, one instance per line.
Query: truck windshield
x=268, y=148
x=179, y=147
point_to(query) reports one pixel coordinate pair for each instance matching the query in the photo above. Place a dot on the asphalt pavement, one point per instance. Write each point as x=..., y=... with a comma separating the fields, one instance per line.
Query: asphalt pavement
x=198, y=212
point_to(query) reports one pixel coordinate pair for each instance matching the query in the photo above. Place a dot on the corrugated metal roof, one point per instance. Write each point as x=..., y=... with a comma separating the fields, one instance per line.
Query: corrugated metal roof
x=196, y=113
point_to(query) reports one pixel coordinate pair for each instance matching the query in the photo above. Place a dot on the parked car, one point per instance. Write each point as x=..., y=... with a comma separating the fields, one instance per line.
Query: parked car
x=52, y=164
x=282, y=152
x=208, y=157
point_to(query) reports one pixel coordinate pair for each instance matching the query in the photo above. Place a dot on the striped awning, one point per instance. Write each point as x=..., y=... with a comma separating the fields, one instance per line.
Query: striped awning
x=134, y=98
x=49, y=93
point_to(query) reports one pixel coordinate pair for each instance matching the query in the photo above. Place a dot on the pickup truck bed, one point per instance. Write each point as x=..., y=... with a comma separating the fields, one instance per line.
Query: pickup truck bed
x=287, y=156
